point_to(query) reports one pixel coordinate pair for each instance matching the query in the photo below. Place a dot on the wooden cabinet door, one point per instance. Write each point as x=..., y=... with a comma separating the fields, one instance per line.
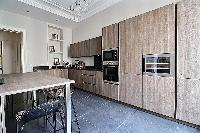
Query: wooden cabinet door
x=159, y=31
x=131, y=89
x=95, y=46
x=188, y=56
x=64, y=73
x=131, y=46
x=98, y=45
x=99, y=82
x=188, y=99
x=159, y=94
x=110, y=36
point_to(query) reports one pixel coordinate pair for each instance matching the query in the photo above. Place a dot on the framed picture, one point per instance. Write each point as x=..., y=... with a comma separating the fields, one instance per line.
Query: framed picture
x=51, y=49
x=56, y=61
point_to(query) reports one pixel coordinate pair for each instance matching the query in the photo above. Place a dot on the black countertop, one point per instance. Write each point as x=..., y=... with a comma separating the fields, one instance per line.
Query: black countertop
x=89, y=68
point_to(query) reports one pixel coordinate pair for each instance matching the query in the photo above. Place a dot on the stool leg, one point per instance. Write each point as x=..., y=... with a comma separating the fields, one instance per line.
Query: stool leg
x=54, y=121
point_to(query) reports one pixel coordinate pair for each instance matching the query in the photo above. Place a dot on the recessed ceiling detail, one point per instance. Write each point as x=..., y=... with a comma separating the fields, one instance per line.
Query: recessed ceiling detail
x=76, y=10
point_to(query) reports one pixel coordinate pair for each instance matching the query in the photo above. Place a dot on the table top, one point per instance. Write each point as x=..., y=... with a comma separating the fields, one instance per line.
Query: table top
x=24, y=82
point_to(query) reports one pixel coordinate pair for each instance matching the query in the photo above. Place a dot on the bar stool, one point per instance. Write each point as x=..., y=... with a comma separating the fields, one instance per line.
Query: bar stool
x=40, y=111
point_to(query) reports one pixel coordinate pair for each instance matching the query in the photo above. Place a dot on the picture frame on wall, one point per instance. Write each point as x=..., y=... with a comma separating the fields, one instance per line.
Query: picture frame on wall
x=51, y=49
x=56, y=61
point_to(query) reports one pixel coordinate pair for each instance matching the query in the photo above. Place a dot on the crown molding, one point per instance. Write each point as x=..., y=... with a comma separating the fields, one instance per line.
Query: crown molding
x=57, y=9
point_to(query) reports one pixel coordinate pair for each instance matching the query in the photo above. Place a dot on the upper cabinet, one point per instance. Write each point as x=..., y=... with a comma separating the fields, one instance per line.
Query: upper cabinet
x=86, y=48
x=110, y=36
x=159, y=31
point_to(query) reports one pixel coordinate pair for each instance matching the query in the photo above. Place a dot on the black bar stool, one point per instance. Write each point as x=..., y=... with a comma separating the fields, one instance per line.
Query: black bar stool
x=40, y=111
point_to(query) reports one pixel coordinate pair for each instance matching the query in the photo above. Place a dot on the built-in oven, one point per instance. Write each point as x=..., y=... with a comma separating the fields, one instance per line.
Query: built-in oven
x=159, y=64
x=110, y=71
x=110, y=55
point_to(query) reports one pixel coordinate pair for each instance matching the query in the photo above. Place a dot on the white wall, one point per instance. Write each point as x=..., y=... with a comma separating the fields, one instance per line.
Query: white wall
x=92, y=27
x=36, y=38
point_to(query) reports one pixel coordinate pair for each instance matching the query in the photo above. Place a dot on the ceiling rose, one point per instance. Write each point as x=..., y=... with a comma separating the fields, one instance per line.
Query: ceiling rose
x=75, y=10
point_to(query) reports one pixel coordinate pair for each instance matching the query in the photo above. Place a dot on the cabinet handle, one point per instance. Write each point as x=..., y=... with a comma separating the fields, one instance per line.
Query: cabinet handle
x=187, y=78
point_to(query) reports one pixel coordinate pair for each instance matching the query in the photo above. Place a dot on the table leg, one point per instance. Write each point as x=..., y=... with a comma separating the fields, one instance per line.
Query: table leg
x=68, y=108
x=2, y=115
x=34, y=98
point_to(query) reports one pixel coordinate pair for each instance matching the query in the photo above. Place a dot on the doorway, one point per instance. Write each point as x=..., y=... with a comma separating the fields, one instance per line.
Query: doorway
x=10, y=60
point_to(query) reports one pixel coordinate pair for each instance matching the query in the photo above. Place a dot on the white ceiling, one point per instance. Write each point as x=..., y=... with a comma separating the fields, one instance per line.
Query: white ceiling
x=46, y=10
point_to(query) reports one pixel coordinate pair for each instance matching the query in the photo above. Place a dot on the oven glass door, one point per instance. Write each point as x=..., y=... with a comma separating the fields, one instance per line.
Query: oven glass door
x=110, y=55
x=110, y=73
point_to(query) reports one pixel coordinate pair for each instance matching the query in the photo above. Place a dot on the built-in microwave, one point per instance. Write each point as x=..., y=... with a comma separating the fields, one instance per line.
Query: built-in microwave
x=159, y=64
x=110, y=55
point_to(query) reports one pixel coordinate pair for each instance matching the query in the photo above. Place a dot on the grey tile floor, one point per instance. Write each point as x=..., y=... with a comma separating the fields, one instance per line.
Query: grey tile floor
x=99, y=115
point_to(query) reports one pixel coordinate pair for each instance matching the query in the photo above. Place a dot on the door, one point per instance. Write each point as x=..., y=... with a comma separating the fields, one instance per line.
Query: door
x=159, y=31
x=159, y=94
x=110, y=37
x=131, y=61
x=188, y=60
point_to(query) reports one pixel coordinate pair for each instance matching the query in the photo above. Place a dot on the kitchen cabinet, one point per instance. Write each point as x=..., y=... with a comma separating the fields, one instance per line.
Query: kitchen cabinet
x=131, y=89
x=110, y=36
x=188, y=100
x=159, y=30
x=87, y=80
x=110, y=90
x=159, y=94
x=86, y=48
x=131, y=45
x=95, y=46
x=188, y=48
x=188, y=61
x=99, y=82
x=130, y=78
x=75, y=74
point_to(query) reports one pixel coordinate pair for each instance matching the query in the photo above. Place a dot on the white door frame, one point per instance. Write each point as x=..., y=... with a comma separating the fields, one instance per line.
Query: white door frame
x=23, y=42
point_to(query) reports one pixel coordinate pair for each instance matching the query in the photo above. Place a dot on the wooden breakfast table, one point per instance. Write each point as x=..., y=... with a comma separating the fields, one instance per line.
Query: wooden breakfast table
x=25, y=82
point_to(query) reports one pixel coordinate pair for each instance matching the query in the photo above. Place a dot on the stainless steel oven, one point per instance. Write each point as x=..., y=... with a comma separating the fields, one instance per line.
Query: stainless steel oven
x=110, y=73
x=110, y=55
x=159, y=64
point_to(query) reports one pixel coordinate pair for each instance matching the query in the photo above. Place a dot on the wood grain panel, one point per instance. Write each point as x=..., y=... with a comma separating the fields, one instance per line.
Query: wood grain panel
x=159, y=30
x=110, y=36
x=188, y=100
x=188, y=39
x=159, y=94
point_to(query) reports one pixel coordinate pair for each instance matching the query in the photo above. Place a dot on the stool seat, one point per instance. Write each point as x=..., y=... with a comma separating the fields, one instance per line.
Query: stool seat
x=40, y=111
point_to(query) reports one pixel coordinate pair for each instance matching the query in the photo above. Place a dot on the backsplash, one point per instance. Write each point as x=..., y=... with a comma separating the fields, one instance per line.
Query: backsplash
x=89, y=61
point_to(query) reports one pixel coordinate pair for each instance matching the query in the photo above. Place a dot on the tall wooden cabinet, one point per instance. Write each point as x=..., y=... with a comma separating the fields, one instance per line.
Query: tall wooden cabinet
x=110, y=36
x=159, y=30
x=131, y=61
x=188, y=60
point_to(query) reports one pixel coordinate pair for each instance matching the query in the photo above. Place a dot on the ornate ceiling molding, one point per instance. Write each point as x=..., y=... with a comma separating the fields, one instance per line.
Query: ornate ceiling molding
x=77, y=14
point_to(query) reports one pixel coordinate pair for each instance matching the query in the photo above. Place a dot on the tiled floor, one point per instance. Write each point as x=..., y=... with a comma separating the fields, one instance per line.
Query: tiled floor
x=98, y=115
